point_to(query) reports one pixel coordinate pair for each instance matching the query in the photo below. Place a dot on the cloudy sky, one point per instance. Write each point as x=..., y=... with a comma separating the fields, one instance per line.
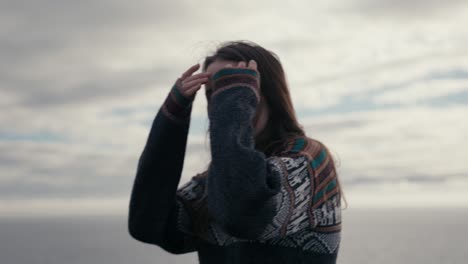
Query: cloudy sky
x=384, y=84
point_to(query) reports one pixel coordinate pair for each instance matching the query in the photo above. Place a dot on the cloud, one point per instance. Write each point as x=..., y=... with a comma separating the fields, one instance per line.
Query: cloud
x=81, y=82
x=64, y=206
x=409, y=195
x=411, y=142
x=50, y=170
x=92, y=86
x=422, y=91
x=61, y=52
x=409, y=10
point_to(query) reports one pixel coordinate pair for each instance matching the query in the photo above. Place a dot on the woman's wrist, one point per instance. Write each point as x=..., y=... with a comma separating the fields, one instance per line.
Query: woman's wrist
x=177, y=106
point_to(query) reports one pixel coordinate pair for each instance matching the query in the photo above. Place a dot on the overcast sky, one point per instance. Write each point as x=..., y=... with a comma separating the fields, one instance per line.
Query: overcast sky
x=384, y=84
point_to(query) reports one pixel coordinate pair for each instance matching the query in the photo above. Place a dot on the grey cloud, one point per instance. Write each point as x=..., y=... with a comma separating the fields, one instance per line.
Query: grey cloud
x=39, y=37
x=36, y=93
x=42, y=27
x=387, y=66
x=358, y=180
x=326, y=126
x=403, y=8
x=89, y=14
x=45, y=172
x=453, y=74
x=446, y=74
x=60, y=170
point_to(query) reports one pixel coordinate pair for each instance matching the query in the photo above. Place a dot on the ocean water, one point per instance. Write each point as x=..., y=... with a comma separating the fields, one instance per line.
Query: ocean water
x=426, y=236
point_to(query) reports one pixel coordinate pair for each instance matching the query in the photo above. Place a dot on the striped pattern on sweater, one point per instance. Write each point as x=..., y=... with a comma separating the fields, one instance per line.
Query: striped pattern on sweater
x=177, y=106
x=326, y=194
x=228, y=78
x=307, y=217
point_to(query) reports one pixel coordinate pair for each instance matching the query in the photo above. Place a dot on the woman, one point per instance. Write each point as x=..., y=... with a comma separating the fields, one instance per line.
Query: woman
x=270, y=193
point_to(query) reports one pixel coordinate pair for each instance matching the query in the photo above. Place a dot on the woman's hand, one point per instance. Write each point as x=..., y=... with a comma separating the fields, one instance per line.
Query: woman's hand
x=189, y=84
x=241, y=74
x=241, y=64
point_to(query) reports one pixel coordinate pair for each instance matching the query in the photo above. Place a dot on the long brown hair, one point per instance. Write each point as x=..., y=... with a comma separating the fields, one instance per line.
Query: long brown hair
x=282, y=124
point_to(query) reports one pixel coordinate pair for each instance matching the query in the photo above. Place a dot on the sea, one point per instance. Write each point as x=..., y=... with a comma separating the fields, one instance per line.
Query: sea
x=377, y=236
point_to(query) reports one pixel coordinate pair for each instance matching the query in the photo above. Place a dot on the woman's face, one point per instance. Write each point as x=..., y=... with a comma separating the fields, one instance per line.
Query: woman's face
x=262, y=113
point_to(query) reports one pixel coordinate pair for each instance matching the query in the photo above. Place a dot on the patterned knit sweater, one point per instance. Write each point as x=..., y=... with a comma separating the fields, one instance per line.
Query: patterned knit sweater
x=279, y=209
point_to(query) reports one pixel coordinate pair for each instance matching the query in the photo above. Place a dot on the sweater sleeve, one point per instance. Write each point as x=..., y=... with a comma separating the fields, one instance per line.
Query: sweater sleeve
x=154, y=206
x=255, y=197
x=243, y=183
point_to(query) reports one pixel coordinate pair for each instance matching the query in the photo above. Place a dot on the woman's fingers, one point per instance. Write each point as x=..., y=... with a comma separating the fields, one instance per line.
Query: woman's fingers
x=242, y=64
x=197, y=76
x=189, y=89
x=193, y=83
x=194, y=89
x=252, y=64
x=187, y=84
x=190, y=71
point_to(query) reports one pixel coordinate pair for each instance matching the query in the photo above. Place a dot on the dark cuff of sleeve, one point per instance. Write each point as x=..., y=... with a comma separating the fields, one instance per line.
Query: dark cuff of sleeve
x=228, y=78
x=177, y=106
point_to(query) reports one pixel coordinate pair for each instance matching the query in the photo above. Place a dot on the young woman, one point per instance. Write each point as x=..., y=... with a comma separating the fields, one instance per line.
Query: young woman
x=270, y=193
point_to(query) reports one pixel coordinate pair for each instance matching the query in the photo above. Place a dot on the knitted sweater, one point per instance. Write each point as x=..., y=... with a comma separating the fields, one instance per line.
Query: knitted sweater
x=279, y=209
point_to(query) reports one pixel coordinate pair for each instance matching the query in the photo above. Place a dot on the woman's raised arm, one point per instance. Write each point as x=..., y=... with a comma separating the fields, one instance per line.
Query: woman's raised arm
x=153, y=207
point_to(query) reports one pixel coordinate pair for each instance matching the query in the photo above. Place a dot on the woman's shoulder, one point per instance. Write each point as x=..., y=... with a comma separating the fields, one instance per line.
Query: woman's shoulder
x=303, y=145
